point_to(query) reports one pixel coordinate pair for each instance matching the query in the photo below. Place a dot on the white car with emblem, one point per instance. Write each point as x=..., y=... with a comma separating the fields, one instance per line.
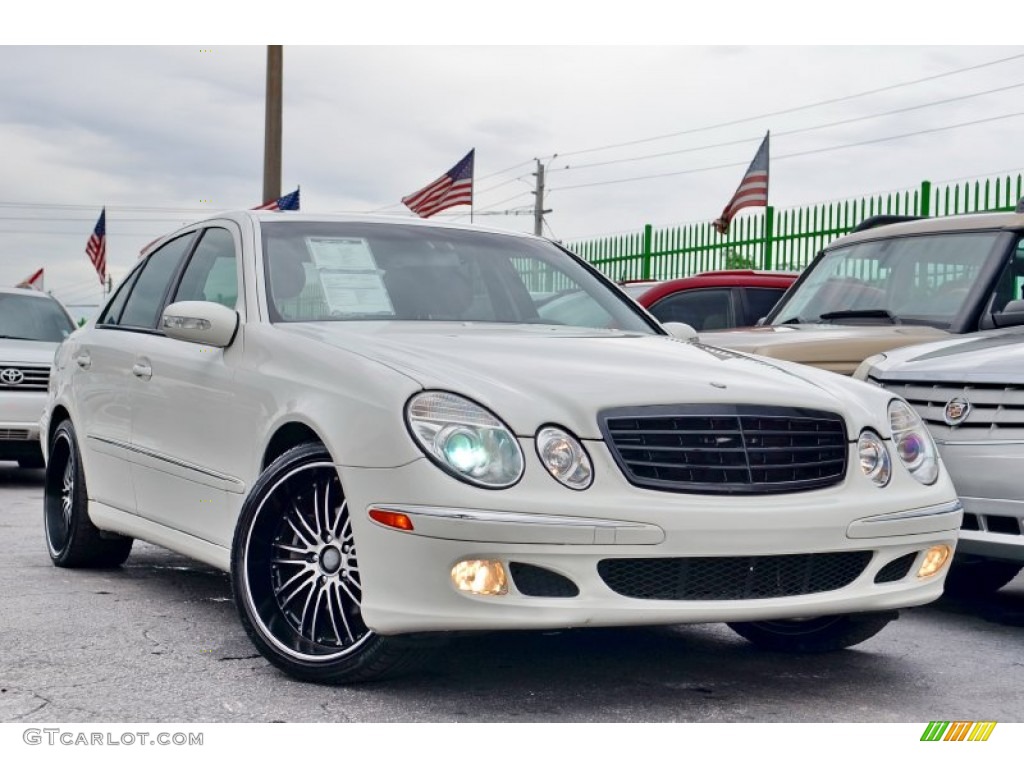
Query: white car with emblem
x=32, y=324
x=970, y=392
x=368, y=423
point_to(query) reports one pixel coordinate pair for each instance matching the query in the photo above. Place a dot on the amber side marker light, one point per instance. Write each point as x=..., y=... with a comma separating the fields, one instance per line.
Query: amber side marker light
x=934, y=559
x=480, y=577
x=391, y=519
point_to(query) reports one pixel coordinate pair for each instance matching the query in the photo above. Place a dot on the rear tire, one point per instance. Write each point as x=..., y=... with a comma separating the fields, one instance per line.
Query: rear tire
x=979, y=578
x=71, y=538
x=296, y=578
x=819, y=635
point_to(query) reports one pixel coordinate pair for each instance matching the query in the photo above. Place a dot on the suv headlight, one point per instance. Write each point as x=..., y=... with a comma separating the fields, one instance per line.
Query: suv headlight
x=465, y=439
x=913, y=444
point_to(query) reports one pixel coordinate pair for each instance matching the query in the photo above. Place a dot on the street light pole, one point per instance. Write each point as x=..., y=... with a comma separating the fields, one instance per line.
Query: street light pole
x=272, y=134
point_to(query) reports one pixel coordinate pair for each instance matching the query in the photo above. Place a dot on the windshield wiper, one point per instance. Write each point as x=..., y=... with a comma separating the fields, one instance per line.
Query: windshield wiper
x=19, y=338
x=792, y=321
x=867, y=314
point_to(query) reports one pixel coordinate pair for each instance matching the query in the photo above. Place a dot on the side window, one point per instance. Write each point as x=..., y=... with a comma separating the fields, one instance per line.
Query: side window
x=112, y=314
x=706, y=310
x=760, y=302
x=147, y=295
x=1010, y=286
x=211, y=274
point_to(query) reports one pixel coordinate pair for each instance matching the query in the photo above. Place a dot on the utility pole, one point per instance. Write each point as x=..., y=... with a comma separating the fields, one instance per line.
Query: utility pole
x=538, y=208
x=272, y=132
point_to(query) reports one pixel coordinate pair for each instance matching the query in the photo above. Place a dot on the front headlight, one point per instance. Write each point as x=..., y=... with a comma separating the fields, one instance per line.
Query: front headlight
x=874, y=458
x=565, y=458
x=465, y=439
x=914, y=445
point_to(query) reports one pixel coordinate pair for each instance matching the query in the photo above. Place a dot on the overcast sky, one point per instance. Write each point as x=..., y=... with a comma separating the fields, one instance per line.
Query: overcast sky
x=162, y=135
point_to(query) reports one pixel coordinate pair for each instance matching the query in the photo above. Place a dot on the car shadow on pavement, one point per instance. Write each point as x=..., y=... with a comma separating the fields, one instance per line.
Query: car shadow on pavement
x=13, y=476
x=1005, y=607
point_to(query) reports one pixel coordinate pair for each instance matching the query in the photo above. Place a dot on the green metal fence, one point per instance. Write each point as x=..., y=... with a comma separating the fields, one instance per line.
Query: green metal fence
x=784, y=239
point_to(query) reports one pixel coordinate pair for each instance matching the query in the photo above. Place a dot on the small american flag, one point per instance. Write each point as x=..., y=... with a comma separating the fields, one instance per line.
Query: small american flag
x=289, y=202
x=454, y=188
x=752, y=191
x=97, y=247
x=35, y=280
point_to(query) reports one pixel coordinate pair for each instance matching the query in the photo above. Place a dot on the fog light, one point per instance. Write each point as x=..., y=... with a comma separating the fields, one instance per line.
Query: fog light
x=480, y=577
x=934, y=559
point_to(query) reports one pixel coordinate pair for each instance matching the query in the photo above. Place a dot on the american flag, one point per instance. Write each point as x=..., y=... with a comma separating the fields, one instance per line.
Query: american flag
x=97, y=247
x=35, y=280
x=289, y=202
x=752, y=191
x=454, y=188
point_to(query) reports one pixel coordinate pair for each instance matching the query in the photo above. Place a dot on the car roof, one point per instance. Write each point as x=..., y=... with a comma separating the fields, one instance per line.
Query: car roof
x=257, y=218
x=28, y=292
x=725, y=278
x=960, y=223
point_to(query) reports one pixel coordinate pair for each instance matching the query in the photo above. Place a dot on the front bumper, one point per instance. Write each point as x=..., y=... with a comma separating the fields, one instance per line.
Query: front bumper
x=992, y=495
x=406, y=575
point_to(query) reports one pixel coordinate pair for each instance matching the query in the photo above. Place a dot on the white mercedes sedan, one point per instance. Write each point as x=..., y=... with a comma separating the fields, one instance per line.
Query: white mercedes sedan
x=368, y=423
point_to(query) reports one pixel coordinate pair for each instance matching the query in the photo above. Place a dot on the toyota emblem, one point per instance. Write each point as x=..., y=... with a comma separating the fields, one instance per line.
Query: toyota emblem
x=956, y=411
x=11, y=376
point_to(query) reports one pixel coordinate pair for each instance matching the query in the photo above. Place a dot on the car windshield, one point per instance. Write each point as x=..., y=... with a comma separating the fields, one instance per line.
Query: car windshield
x=33, y=318
x=919, y=279
x=378, y=271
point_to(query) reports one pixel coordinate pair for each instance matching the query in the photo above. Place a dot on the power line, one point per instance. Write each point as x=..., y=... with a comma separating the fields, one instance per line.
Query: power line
x=793, y=132
x=801, y=108
x=796, y=154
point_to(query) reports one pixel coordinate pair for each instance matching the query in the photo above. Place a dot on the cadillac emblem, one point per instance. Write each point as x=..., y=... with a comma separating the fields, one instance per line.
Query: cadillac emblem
x=956, y=411
x=11, y=376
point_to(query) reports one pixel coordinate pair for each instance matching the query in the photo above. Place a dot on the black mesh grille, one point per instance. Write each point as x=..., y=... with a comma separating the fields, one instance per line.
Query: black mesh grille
x=896, y=570
x=727, y=448
x=732, y=578
x=970, y=522
x=534, y=581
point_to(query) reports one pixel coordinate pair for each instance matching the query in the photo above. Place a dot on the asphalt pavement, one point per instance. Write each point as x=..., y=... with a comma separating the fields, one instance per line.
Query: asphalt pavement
x=158, y=640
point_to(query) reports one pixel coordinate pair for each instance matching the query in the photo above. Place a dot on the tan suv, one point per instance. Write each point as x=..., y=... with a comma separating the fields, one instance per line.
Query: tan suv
x=889, y=285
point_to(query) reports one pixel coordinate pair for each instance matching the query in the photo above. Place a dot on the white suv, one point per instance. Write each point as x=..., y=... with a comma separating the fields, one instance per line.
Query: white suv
x=32, y=324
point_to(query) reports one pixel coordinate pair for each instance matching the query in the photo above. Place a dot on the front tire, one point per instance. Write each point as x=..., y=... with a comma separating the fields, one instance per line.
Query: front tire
x=296, y=577
x=71, y=538
x=819, y=635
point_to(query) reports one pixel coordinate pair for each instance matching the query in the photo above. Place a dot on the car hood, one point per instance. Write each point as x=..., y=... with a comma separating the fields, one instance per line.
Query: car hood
x=24, y=351
x=530, y=375
x=837, y=348
x=995, y=357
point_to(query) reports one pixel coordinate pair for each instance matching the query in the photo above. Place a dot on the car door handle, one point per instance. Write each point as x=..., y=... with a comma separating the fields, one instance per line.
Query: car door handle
x=143, y=371
x=83, y=360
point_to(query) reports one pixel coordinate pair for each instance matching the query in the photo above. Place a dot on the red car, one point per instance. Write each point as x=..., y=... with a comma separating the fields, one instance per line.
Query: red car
x=731, y=298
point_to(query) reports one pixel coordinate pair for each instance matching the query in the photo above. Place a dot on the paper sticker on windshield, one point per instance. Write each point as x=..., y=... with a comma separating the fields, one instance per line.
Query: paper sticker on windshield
x=348, y=253
x=349, y=278
x=355, y=293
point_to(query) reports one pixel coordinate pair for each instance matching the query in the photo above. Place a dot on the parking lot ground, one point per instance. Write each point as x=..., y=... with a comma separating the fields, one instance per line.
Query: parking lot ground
x=159, y=641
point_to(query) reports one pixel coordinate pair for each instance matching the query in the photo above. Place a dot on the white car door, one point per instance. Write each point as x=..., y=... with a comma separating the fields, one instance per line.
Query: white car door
x=188, y=420
x=100, y=368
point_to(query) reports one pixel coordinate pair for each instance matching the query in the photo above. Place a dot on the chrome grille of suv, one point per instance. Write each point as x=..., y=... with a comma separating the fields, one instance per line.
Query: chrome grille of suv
x=712, y=448
x=997, y=411
x=33, y=377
